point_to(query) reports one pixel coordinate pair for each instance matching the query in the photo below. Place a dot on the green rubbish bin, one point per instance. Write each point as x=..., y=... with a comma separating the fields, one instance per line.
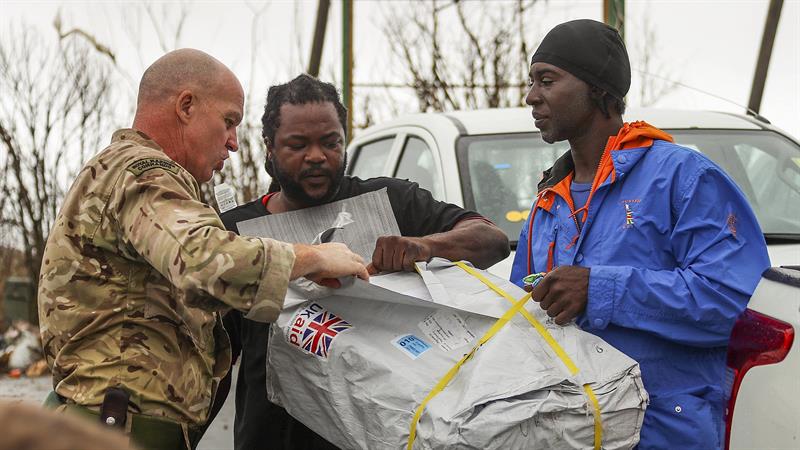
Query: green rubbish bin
x=18, y=301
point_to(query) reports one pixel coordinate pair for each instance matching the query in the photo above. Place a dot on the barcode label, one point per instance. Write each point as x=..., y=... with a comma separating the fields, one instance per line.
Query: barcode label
x=226, y=197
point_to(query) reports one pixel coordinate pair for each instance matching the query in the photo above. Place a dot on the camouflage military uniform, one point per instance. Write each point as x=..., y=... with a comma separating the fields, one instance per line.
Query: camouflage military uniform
x=134, y=275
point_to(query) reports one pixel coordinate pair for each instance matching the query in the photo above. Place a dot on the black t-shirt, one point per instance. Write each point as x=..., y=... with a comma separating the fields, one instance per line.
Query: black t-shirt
x=259, y=423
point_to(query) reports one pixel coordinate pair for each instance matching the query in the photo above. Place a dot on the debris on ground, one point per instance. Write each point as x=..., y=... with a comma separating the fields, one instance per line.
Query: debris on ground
x=37, y=369
x=21, y=351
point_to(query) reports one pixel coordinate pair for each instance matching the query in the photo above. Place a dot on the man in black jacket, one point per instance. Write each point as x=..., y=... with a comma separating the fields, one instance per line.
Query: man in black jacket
x=303, y=127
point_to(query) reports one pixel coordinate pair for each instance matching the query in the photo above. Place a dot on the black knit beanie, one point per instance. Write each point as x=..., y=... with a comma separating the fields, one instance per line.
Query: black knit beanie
x=591, y=51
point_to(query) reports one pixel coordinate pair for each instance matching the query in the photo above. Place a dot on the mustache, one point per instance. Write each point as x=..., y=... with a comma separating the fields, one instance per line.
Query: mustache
x=315, y=171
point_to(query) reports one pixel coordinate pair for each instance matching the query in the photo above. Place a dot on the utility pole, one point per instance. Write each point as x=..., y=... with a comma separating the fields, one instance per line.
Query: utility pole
x=347, y=62
x=762, y=65
x=319, y=37
x=614, y=15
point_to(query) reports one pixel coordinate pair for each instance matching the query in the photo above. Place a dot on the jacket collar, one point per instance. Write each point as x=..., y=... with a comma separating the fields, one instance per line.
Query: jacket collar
x=130, y=134
x=557, y=179
x=563, y=166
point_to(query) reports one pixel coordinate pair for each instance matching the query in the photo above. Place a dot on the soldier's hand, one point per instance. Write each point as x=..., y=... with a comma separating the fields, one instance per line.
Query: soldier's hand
x=563, y=293
x=396, y=253
x=324, y=263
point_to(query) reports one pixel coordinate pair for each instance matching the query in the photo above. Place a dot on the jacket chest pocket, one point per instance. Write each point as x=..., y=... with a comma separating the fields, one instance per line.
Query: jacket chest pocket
x=636, y=233
x=543, y=245
x=166, y=308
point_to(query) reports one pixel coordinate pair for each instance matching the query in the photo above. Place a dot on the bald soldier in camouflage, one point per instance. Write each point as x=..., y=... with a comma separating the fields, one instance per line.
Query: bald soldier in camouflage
x=137, y=269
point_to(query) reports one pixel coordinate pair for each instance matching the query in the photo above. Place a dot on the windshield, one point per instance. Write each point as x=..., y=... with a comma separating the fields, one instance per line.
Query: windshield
x=500, y=173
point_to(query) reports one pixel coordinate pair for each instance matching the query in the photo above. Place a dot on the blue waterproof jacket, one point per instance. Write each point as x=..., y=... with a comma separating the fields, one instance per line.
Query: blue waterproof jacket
x=675, y=253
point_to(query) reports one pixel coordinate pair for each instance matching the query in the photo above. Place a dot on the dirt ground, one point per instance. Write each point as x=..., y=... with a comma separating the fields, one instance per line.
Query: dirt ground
x=31, y=390
x=34, y=390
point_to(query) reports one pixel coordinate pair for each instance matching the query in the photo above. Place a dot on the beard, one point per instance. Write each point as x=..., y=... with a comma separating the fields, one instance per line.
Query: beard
x=294, y=190
x=574, y=121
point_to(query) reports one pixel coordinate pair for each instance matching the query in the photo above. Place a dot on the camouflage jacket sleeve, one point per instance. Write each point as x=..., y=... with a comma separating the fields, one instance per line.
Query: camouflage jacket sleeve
x=163, y=221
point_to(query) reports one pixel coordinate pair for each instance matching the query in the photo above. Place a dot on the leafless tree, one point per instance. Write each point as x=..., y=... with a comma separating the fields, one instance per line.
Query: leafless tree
x=165, y=20
x=54, y=113
x=463, y=54
x=468, y=55
x=245, y=171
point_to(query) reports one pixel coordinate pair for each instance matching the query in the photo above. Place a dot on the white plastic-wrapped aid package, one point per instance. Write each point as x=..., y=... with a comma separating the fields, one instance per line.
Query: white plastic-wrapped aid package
x=356, y=365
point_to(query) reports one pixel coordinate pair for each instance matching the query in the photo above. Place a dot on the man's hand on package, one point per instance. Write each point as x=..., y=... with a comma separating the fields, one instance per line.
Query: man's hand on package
x=563, y=292
x=396, y=253
x=324, y=263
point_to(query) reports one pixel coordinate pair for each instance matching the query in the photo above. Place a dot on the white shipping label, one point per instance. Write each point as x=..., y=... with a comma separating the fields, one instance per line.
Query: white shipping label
x=447, y=330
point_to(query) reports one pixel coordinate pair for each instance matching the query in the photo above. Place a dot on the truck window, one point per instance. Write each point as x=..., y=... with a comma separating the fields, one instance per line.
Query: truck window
x=417, y=164
x=764, y=164
x=499, y=175
x=368, y=159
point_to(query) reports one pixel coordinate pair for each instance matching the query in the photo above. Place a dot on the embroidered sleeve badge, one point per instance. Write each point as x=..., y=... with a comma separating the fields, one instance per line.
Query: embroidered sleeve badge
x=143, y=165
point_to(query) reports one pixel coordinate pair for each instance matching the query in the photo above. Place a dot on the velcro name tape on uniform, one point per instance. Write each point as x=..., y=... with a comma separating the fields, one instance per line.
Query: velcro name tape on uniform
x=143, y=165
x=411, y=346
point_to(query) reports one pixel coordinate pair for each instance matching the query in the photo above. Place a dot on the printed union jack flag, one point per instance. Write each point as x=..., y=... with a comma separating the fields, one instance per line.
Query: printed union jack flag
x=320, y=332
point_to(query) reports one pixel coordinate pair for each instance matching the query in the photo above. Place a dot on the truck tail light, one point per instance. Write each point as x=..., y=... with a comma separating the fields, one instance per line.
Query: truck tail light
x=756, y=340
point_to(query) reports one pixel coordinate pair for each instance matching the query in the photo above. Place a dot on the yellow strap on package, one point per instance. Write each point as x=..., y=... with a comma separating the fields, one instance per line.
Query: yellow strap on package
x=501, y=322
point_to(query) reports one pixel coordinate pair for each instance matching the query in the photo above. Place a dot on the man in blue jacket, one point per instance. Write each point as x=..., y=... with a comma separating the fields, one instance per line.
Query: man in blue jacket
x=647, y=244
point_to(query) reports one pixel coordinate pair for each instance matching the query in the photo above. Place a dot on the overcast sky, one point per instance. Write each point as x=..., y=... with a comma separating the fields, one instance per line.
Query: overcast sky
x=708, y=45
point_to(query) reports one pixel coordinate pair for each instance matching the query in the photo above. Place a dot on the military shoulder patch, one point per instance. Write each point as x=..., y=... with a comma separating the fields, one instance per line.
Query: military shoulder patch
x=143, y=165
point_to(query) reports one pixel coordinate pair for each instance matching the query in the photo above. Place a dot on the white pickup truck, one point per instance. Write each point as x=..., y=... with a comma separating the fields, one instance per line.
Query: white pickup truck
x=463, y=158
